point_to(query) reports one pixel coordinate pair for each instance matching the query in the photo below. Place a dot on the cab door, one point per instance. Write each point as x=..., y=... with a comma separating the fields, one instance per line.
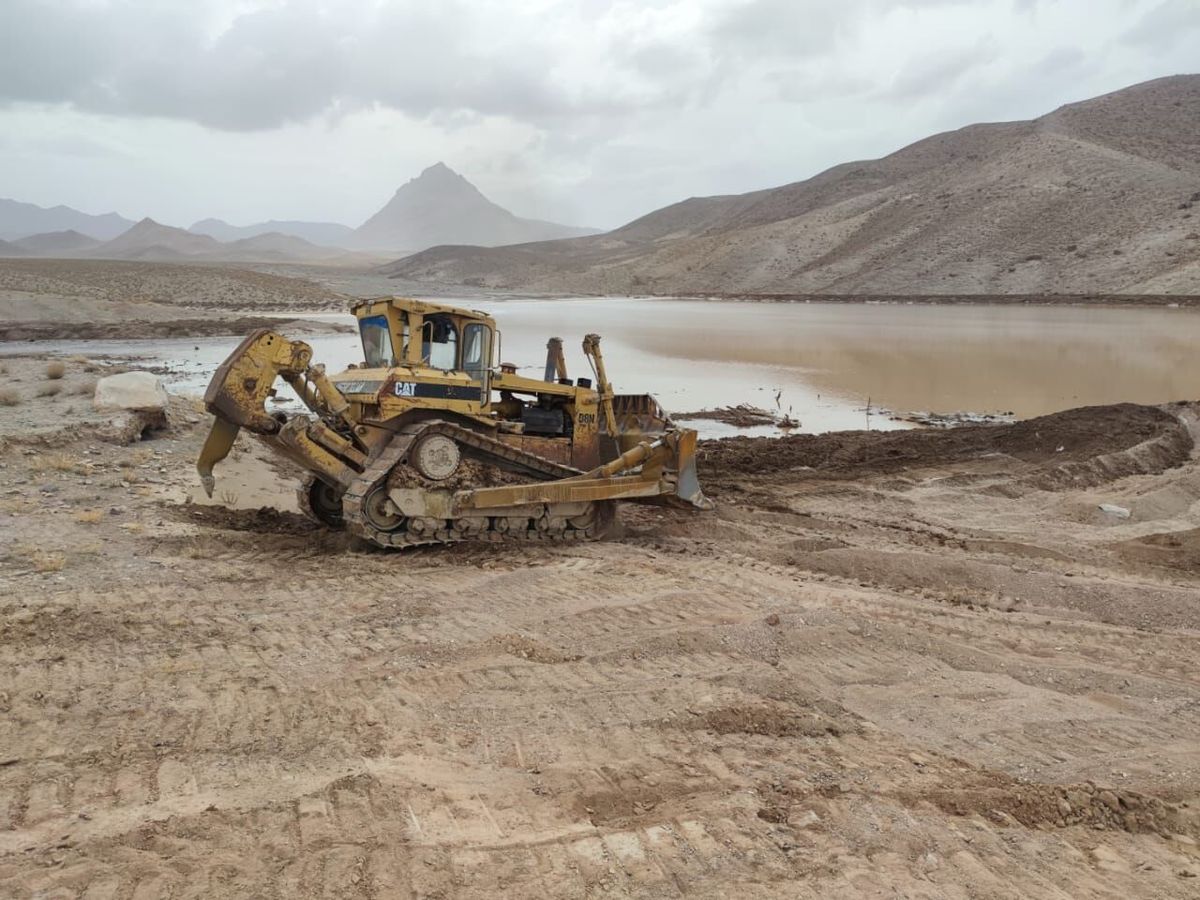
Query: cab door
x=476, y=359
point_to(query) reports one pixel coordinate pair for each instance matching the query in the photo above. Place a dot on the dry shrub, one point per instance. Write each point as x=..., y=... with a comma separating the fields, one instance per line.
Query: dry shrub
x=9, y=397
x=89, y=516
x=87, y=386
x=56, y=370
x=17, y=504
x=43, y=560
x=52, y=389
x=79, y=360
x=61, y=462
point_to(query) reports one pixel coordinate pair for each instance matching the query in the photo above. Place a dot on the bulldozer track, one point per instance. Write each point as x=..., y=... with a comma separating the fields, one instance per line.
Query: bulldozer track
x=482, y=448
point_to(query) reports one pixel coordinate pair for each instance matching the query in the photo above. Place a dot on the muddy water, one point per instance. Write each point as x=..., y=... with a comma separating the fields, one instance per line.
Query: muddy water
x=823, y=361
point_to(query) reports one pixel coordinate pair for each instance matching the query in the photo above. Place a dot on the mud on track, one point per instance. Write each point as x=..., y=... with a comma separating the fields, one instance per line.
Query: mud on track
x=889, y=665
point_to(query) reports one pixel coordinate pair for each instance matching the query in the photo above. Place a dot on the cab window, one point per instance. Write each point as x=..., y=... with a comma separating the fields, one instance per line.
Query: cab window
x=475, y=350
x=439, y=347
x=377, y=342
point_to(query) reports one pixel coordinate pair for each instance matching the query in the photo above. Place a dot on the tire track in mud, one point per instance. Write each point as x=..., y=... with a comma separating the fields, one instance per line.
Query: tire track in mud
x=688, y=714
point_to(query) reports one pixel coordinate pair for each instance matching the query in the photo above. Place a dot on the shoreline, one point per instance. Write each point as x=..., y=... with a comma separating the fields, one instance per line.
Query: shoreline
x=1105, y=301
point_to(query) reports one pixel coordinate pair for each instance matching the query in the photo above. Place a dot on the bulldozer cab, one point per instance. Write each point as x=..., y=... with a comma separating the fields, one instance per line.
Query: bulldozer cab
x=437, y=345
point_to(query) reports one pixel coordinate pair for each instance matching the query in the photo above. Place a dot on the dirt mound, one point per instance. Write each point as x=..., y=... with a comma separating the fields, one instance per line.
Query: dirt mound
x=773, y=719
x=1073, y=436
x=265, y=520
x=1001, y=798
x=1170, y=550
x=524, y=647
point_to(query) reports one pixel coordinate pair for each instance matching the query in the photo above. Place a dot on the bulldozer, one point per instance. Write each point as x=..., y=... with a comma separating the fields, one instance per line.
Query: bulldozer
x=432, y=440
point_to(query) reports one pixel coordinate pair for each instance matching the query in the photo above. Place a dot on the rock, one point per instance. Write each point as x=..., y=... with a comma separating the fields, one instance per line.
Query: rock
x=1111, y=509
x=139, y=391
x=804, y=820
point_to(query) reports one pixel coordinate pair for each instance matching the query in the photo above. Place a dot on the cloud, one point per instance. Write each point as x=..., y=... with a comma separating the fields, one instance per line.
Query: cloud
x=1167, y=23
x=295, y=60
x=599, y=109
x=941, y=70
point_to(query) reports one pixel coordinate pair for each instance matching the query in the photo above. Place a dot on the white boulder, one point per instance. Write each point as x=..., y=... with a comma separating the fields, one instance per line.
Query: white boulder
x=140, y=391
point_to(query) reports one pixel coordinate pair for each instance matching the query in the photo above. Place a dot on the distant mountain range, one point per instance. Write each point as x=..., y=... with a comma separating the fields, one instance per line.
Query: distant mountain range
x=19, y=220
x=437, y=207
x=330, y=234
x=1101, y=196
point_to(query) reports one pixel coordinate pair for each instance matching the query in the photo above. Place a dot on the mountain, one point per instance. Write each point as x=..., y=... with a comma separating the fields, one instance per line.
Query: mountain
x=9, y=249
x=150, y=240
x=441, y=207
x=18, y=220
x=275, y=247
x=1101, y=196
x=57, y=243
x=330, y=234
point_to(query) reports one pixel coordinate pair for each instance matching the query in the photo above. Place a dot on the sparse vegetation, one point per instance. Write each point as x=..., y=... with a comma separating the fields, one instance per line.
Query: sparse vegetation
x=56, y=462
x=50, y=390
x=56, y=370
x=89, y=516
x=88, y=386
x=41, y=559
x=9, y=397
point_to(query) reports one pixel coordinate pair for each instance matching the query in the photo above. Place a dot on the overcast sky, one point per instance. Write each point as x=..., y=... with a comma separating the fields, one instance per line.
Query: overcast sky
x=588, y=112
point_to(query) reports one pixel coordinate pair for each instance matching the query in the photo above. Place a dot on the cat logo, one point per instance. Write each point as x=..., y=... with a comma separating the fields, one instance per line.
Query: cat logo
x=406, y=389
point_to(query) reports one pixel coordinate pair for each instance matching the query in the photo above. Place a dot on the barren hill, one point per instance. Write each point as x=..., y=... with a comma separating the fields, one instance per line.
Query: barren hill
x=57, y=243
x=273, y=246
x=150, y=240
x=1102, y=195
x=18, y=220
x=330, y=234
x=441, y=207
x=8, y=248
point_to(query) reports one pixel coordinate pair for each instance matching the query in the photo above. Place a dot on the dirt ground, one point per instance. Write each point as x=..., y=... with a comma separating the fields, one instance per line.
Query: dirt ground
x=919, y=664
x=72, y=299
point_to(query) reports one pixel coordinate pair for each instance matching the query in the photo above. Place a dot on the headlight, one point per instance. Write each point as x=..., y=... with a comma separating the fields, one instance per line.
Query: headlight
x=359, y=387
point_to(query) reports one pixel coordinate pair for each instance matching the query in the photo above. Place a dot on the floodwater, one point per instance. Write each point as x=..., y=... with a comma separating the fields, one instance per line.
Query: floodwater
x=823, y=361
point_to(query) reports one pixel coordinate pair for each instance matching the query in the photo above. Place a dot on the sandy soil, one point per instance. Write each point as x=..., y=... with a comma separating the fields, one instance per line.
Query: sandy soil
x=918, y=664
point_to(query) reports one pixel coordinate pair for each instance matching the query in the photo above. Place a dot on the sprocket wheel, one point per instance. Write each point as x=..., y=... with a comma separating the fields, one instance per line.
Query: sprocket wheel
x=324, y=503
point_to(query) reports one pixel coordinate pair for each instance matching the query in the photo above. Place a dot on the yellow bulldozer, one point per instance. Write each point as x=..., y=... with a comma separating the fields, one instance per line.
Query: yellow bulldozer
x=431, y=440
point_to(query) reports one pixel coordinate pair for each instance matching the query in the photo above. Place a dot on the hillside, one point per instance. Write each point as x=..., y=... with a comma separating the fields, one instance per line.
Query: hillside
x=439, y=206
x=1102, y=195
x=150, y=240
x=19, y=220
x=329, y=234
x=273, y=246
x=57, y=243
